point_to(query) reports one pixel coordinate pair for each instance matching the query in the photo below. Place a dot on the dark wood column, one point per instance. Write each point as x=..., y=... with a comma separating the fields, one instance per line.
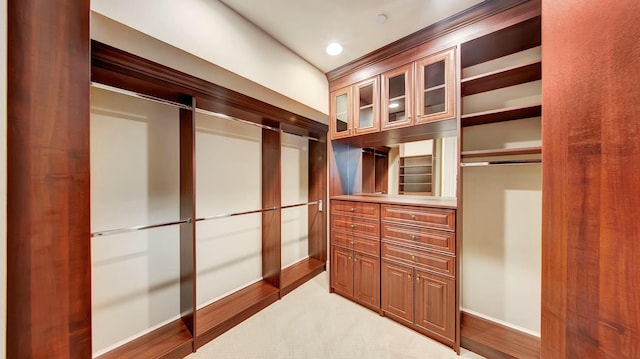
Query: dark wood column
x=48, y=223
x=591, y=179
x=271, y=197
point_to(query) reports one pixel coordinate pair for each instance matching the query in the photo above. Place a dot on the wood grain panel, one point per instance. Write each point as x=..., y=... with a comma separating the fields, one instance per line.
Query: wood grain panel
x=366, y=279
x=271, y=197
x=187, y=210
x=218, y=317
x=48, y=211
x=172, y=341
x=318, y=191
x=494, y=340
x=353, y=225
x=420, y=237
x=342, y=271
x=590, y=281
x=435, y=305
x=427, y=217
x=397, y=290
x=358, y=209
x=361, y=244
x=431, y=261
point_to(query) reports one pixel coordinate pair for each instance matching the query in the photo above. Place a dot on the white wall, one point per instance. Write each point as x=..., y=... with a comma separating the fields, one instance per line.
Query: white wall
x=501, y=250
x=211, y=31
x=134, y=181
x=3, y=178
x=228, y=180
x=295, y=189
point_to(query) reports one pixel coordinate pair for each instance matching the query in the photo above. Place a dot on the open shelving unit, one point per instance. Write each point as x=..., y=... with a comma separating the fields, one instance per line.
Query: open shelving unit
x=416, y=175
x=502, y=152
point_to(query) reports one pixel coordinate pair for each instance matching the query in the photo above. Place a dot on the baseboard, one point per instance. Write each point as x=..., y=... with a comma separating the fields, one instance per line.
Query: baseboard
x=496, y=341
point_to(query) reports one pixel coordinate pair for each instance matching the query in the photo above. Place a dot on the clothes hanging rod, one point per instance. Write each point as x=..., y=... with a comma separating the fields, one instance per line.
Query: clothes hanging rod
x=142, y=96
x=303, y=136
x=231, y=118
x=138, y=228
x=318, y=202
x=500, y=163
x=218, y=216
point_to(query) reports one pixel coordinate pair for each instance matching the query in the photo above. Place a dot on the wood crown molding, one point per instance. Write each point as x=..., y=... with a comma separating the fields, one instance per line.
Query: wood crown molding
x=115, y=67
x=473, y=14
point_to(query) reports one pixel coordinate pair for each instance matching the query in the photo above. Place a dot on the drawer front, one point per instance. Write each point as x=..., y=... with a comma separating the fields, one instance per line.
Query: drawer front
x=358, y=244
x=422, y=237
x=354, y=225
x=428, y=217
x=356, y=209
x=426, y=260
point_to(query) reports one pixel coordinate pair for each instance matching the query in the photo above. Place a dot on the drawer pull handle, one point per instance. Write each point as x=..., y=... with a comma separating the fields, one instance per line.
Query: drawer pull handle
x=413, y=258
x=353, y=209
x=353, y=243
x=414, y=237
x=353, y=226
x=413, y=216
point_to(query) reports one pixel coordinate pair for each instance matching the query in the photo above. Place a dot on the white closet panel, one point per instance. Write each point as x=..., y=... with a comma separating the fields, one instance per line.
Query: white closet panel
x=134, y=181
x=228, y=180
x=295, y=189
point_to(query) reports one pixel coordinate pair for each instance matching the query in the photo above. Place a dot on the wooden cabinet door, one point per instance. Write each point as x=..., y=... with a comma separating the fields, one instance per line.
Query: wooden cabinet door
x=366, y=279
x=435, y=90
x=341, y=113
x=366, y=109
x=397, y=290
x=342, y=270
x=435, y=309
x=397, y=97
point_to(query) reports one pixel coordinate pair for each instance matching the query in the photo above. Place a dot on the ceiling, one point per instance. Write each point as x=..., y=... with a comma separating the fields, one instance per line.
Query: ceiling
x=308, y=26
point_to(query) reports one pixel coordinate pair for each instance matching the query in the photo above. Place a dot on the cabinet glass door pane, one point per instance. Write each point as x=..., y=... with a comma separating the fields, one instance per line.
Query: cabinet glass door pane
x=397, y=98
x=365, y=107
x=434, y=88
x=342, y=113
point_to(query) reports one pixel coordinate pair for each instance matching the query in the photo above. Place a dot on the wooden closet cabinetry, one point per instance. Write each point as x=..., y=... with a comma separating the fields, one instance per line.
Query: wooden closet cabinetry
x=355, y=110
x=418, y=268
x=355, y=251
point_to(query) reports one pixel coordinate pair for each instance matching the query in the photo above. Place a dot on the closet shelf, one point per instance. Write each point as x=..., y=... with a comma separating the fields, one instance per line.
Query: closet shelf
x=169, y=341
x=500, y=115
x=297, y=274
x=502, y=152
x=494, y=80
x=220, y=316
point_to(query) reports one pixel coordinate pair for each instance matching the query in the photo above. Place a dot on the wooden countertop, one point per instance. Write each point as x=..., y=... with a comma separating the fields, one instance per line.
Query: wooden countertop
x=423, y=201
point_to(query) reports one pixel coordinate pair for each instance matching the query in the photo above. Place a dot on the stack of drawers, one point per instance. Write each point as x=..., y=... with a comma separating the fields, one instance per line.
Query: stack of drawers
x=355, y=251
x=418, y=268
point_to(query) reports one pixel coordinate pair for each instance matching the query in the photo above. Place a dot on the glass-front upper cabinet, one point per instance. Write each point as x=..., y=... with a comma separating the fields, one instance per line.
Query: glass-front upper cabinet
x=341, y=113
x=366, y=117
x=397, y=97
x=435, y=90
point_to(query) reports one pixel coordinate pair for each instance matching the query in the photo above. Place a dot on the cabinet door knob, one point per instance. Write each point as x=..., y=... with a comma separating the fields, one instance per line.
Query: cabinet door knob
x=418, y=278
x=349, y=257
x=409, y=276
x=355, y=259
x=353, y=226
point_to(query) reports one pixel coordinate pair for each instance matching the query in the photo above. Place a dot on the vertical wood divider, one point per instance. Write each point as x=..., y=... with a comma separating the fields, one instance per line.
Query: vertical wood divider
x=318, y=191
x=48, y=180
x=271, y=197
x=187, y=210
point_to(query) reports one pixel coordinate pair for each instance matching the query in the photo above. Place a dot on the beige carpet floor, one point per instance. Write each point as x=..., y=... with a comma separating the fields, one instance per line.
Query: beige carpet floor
x=310, y=323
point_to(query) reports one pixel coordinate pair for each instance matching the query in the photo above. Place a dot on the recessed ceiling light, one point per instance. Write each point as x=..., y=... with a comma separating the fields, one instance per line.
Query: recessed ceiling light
x=334, y=49
x=394, y=105
x=381, y=18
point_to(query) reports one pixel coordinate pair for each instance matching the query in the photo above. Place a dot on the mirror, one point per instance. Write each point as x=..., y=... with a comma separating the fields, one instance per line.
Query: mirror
x=420, y=168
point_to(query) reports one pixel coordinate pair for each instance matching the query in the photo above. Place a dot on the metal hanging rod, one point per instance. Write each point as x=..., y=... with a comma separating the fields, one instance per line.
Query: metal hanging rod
x=500, y=163
x=318, y=202
x=139, y=228
x=142, y=96
x=218, y=216
x=231, y=118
